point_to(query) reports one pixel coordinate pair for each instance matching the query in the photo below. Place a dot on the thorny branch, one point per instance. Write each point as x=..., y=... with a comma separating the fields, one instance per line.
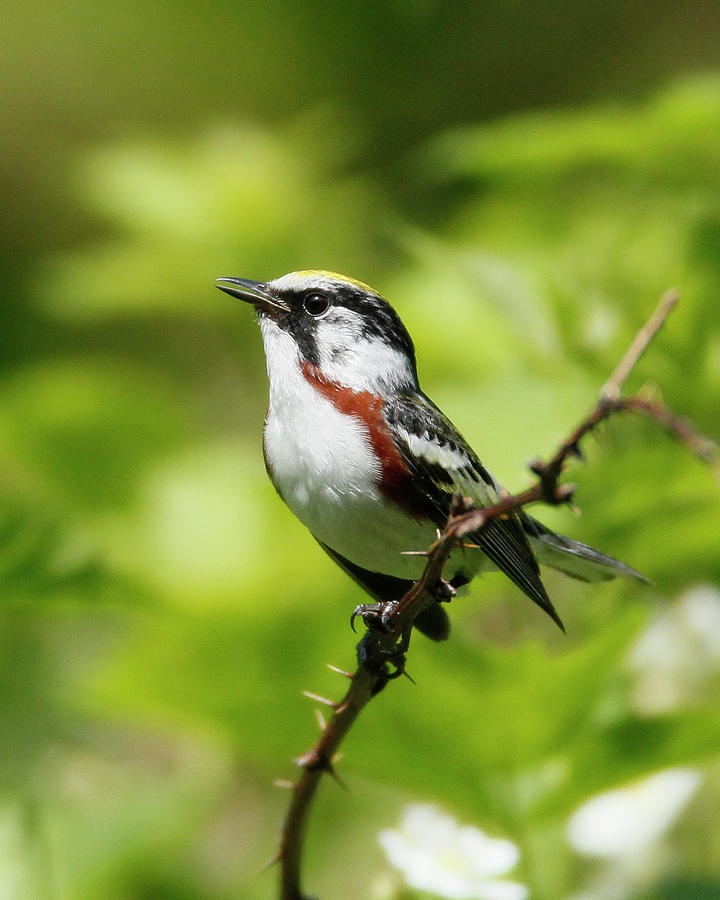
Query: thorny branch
x=381, y=646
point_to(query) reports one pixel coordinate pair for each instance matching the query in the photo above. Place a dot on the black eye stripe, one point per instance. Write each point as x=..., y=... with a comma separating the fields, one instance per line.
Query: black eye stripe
x=316, y=303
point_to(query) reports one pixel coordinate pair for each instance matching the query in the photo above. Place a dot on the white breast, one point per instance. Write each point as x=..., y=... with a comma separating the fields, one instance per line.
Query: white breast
x=322, y=464
x=317, y=455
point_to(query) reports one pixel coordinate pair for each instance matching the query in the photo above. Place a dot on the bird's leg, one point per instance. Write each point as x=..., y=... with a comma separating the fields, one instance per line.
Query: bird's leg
x=442, y=591
x=375, y=651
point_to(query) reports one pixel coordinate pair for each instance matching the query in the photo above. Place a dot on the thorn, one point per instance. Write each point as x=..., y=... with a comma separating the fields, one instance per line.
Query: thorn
x=319, y=699
x=339, y=671
x=337, y=779
x=284, y=783
x=650, y=391
x=414, y=553
x=320, y=719
x=270, y=863
x=339, y=710
x=564, y=493
x=409, y=677
x=537, y=467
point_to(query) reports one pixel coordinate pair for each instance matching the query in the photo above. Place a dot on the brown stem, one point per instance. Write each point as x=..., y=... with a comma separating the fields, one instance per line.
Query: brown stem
x=613, y=386
x=314, y=764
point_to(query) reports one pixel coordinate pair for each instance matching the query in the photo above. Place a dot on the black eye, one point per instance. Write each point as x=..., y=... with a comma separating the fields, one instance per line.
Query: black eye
x=316, y=303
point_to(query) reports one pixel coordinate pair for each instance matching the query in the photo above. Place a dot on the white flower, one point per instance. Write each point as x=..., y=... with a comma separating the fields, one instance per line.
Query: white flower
x=678, y=652
x=626, y=822
x=459, y=862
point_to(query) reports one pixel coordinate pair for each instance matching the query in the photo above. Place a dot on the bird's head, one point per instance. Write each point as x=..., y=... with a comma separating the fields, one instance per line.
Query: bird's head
x=342, y=327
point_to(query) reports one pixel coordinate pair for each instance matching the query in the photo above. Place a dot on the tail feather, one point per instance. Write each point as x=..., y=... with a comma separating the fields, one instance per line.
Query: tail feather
x=572, y=557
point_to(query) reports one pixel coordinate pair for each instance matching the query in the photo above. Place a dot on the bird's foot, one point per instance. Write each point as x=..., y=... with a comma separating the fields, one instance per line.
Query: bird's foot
x=443, y=591
x=377, y=648
x=374, y=654
x=376, y=616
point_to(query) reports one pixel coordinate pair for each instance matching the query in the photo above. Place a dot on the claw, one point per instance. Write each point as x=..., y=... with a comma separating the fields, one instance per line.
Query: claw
x=374, y=615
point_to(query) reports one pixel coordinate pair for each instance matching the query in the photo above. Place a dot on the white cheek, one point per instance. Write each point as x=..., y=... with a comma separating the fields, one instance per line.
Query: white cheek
x=364, y=365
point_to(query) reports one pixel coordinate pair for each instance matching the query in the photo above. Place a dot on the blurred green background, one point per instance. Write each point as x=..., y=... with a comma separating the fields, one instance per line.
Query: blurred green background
x=522, y=182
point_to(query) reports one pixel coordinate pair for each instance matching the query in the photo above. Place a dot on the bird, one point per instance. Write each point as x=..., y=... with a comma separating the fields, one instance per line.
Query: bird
x=369, y=464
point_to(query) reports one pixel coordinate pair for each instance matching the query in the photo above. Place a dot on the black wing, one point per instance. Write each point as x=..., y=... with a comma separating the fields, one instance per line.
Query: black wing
x=442, y=464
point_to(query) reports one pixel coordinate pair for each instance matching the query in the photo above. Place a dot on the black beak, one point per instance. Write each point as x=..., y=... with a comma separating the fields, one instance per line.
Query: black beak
x=254, y=292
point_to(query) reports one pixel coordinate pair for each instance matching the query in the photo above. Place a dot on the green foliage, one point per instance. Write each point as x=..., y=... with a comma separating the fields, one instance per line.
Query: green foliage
x=161, y=609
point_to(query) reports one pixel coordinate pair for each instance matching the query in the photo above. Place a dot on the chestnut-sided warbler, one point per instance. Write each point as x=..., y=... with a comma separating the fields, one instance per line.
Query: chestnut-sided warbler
x=368, y=463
